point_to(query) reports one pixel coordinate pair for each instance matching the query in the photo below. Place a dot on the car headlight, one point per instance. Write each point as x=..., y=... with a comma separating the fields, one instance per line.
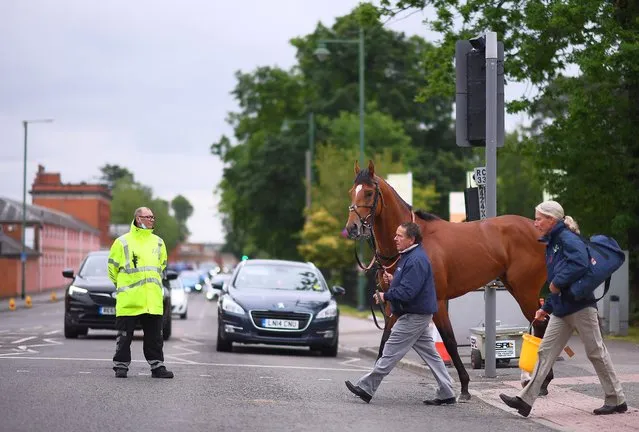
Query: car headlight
x=229, y=305
x=198, y=287
x=74, y=290
x=329, y=311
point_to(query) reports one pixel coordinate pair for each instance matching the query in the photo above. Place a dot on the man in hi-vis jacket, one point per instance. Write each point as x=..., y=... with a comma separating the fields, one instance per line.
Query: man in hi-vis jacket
x=136, y=262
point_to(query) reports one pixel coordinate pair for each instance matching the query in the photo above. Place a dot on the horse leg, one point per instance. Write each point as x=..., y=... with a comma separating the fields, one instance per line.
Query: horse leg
x=388, y=325
x=442, y=322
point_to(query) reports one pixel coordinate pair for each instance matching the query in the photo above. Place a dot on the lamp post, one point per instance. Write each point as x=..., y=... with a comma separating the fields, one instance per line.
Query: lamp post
x=322, y=53
x=23, y=255
x=286, y=126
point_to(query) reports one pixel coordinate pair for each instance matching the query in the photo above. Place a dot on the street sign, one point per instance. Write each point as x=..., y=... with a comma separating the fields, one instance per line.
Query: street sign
x=480, y=176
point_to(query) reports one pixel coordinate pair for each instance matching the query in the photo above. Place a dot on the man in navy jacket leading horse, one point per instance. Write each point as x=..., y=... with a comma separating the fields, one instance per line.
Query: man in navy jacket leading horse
x=414, y=301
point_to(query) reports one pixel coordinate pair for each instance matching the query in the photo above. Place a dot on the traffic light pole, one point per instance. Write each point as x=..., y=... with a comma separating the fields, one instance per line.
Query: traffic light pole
x=490, y=300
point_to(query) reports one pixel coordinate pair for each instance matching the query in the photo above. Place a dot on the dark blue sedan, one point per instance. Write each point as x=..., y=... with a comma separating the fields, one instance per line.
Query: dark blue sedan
x=279, y=303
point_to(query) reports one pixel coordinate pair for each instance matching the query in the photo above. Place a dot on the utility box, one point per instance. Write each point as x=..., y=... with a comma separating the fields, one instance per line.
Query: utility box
x=508, y=342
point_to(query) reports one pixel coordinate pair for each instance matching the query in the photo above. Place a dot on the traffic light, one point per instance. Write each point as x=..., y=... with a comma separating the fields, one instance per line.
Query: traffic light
x=470, y=101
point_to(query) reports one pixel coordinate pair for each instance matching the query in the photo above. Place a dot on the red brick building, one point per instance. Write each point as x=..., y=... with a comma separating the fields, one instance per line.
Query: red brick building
x=54, y=240
x=65, y=222
x=90, y=203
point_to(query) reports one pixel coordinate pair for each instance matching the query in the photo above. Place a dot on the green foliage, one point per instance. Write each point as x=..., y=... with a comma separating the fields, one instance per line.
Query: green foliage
x=112, y=173
x=262, y=191
x=581, y=55
x=128, y=195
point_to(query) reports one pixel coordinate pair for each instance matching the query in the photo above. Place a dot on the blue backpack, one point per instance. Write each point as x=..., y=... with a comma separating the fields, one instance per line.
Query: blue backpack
x=605, y=257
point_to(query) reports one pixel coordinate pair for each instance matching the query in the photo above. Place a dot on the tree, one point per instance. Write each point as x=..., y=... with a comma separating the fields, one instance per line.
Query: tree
x=112, y=173
x=182, y=208
x=585, y=130
x=420, y=133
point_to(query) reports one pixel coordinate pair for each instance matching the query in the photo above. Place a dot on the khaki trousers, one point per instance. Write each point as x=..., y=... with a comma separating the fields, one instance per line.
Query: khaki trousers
x=555, y=339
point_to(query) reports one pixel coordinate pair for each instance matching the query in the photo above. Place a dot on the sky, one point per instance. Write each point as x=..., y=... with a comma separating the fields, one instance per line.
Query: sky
x=144, y=84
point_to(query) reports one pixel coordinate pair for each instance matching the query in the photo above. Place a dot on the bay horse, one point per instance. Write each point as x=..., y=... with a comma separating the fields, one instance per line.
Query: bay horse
x=464, y=256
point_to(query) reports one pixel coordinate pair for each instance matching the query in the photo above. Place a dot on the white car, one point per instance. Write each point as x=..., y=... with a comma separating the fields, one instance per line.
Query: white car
x=179, y=299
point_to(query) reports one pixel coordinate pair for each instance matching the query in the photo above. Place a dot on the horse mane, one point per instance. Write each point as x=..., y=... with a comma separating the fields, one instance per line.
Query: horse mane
x=365, y=177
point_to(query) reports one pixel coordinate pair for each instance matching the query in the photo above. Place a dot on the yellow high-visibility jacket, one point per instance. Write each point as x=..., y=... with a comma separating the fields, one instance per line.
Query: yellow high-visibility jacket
x=136, y=262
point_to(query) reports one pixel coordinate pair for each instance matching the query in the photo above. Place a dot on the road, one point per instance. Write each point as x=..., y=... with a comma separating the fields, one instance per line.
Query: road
x=51, y=383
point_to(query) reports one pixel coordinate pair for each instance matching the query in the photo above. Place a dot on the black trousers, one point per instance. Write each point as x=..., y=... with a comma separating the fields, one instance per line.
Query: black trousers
x=153, y=342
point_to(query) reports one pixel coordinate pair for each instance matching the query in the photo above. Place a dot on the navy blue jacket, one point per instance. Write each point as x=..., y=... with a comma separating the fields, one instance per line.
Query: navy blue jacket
x=567, y=262
x=413, y=287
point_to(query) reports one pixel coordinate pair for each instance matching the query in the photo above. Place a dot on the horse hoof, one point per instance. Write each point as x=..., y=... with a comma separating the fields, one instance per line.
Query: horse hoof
x=464, y=397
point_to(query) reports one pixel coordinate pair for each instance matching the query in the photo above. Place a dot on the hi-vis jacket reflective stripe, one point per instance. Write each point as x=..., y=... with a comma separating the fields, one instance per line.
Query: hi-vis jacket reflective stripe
x=136, y=262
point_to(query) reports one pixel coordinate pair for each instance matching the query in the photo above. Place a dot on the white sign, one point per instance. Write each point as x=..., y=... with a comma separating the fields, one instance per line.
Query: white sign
x=481, y=190
x=403, y=185
x=480, y=176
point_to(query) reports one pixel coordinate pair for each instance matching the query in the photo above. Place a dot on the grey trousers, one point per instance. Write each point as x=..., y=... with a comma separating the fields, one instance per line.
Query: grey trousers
x=557, y=335
x=410, y=331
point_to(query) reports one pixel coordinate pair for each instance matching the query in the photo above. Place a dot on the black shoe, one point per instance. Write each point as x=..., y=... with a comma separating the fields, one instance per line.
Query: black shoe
x=448, y=401
x=543, y=392
x=515, y=402
x=357, y=390
x=120, y=373
x=611, y=409
x=161, y=372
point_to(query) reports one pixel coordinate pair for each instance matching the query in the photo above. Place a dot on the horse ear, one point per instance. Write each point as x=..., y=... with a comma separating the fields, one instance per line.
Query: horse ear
x=371, y=168
x=357, y=167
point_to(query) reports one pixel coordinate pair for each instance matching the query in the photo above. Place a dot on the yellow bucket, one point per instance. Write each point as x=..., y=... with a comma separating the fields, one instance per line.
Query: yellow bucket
x=528, y=355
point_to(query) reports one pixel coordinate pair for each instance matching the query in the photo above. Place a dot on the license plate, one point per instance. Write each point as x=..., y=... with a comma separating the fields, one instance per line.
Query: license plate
x=505, y=349
x=279, y=323
x=106, y=310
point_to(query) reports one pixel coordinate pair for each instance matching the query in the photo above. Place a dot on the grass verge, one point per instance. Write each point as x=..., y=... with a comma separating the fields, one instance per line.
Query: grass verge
x=353, y=312
x=633, y=336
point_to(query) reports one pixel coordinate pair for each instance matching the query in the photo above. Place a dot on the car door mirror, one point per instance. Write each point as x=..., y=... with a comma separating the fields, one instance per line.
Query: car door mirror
x=338, y=290
x=171, y=275
x=68, y=273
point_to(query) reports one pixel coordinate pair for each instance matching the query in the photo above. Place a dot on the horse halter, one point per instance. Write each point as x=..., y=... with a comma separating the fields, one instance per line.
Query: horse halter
x=371, y=215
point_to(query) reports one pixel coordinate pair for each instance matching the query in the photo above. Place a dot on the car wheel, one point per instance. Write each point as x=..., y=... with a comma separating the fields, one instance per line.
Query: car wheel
x=166, y=330
x=83, y=331
x=475, y=359
x=184, y=315
x=222, y=345
x=331, y=351
x=70, y=332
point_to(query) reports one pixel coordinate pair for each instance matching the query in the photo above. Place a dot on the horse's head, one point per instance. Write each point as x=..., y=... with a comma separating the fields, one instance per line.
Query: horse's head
x=365, y=195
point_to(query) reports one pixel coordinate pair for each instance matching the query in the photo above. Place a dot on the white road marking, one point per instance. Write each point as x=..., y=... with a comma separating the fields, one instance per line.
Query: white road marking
x=22, y=371
x=324, y=379
x=144, y=374
x=231, y=365
x=4, y=331
x=205, y=375
x=266, y=377
x=26, y=349
x=52, y=332
x=83, y=372
x=12, y=354
x=23, y=340
x=50, y=342
x=351, y=360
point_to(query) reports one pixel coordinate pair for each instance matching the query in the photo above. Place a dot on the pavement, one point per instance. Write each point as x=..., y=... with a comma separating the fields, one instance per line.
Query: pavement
x=573, y=394
x=37, y=298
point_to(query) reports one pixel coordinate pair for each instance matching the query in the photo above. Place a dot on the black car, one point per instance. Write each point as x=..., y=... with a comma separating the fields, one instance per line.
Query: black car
x=279, y=303
x=89, y=301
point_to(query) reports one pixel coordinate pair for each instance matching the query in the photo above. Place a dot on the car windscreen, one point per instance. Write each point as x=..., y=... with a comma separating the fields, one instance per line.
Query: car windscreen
x=94, y=266
x=283, y=277
x=176, y=284
x=190, y=277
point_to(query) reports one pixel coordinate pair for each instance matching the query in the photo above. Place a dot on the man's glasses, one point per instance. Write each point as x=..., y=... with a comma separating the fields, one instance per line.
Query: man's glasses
x=147, y=217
